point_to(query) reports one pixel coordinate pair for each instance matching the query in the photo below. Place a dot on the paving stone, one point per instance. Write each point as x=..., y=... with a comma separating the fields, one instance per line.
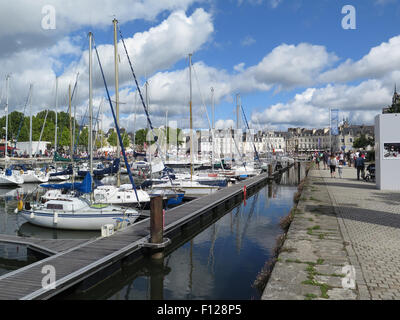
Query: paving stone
x=361, y=227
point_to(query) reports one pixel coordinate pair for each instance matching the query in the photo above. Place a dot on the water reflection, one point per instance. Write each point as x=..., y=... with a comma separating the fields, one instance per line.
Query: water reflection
x=220, y=262
x=13, y=257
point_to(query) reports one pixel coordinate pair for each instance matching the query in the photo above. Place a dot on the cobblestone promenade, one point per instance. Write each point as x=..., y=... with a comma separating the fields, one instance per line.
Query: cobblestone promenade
x=344, y=229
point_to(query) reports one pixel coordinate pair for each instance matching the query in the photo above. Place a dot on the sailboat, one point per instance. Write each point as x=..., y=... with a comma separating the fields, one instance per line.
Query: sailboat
x=193, y=185
x=10, y=179
x=36, y=175
x=57, y=174
x=120, y=194
x=73, y=211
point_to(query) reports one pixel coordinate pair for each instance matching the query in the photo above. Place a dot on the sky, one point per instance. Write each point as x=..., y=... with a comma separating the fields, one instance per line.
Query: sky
x=289, y=60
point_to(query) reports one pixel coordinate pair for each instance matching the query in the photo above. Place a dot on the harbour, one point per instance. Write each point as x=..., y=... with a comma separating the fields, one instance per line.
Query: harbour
x=202, y=158
x=107, y=253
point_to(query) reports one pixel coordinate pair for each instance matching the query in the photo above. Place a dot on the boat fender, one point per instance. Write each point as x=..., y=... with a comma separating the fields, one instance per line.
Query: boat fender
x=55, y=219
x=20, y=205
x=32, y=215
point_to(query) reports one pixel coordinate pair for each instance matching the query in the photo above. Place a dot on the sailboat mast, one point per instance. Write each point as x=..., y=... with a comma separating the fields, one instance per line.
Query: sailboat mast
x=115, y=21
x=191, y=118
x=134, y=125
x=7, y=91
x=70, y=123
x=238, y=120
x=30, y=125
x=148, y=129
x=166, y=135
x=212, y=128
x=74, y=129
x=56, y=128
x=90, y=106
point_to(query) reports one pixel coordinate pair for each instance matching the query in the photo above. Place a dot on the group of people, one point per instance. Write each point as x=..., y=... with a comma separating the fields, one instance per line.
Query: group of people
x=339, y=160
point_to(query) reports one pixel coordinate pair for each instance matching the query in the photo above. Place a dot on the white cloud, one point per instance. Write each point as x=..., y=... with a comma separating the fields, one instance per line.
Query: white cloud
x=275, y=3
x=156, y=49
x=239, y=67
x=377, y=63
x=225, y=124
x=248, y=41
x=310, y=108
x=289, y=66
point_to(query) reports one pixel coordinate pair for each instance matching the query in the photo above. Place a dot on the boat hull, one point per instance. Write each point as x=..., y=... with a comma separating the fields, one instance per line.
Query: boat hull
x=70, y=221
x=10, y=181
x=34, y=178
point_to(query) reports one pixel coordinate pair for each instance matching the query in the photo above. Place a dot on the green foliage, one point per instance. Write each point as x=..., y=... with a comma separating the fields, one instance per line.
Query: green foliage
x=363, y=141
x=140, y=136
x=113, y=139
x=14, y=122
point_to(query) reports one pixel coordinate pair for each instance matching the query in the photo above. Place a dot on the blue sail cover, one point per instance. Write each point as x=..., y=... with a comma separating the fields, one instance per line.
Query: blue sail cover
x=85, y=186
x=99, y=173
x=68, y=171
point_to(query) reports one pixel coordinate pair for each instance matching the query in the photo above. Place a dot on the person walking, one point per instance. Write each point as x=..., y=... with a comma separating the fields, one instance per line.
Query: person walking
x=317, y=159
x=332, y=165
x=340, y=168
x=360, y=165
x=326, y=159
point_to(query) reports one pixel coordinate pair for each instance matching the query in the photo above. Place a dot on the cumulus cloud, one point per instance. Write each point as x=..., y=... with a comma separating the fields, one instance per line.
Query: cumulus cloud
x=378, y=62
x=23, y=18
x=289, y=66
x=156, y=49
x=311, y=107
x=225, y=124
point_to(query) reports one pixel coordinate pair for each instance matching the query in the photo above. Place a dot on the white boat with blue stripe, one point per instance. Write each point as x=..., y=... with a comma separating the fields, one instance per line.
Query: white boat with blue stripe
x=73, y=213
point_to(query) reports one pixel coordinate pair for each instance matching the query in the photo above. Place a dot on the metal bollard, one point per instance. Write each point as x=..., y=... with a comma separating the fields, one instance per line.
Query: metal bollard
x=299, y=171
x=156, y=224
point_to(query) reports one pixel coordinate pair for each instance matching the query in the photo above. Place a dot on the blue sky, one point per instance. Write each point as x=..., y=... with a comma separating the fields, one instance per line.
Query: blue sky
x=290, y=60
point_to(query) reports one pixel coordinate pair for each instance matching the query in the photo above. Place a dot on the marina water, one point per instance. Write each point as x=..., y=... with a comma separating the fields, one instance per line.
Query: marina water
x=220, y=262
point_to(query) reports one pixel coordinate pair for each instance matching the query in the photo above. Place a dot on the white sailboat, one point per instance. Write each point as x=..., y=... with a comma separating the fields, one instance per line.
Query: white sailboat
x=8, y=177
x=35, y=176
x=124, y=195
x=69, y=212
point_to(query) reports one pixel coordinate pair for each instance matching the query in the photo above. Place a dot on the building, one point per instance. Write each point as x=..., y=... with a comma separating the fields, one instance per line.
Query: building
x=37, y=147
x=395, y=107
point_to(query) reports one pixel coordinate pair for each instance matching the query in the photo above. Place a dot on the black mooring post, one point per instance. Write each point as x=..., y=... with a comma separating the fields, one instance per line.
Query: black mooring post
x=299, y=171
x=156, y=224
x=157, y=279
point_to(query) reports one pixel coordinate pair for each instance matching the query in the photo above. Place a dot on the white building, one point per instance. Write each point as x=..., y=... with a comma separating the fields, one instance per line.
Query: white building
x=37, y=147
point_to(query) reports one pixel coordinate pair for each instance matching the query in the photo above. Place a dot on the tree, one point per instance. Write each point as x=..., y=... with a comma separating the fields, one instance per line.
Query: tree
x=113, y=138
x=363, y=141
x=84, y=137
x=141, y=137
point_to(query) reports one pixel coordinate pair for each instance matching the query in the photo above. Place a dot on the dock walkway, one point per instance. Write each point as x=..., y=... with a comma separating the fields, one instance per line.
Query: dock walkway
x=344, y=243
x=73, y=264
